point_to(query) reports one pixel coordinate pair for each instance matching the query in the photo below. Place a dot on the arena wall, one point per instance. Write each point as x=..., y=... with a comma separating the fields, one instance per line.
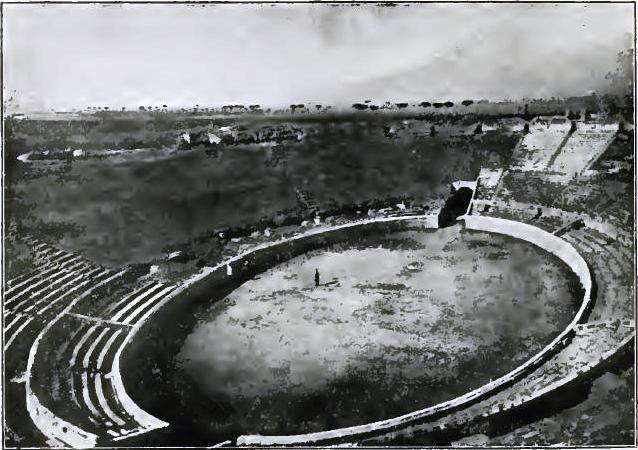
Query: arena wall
x=545, y=240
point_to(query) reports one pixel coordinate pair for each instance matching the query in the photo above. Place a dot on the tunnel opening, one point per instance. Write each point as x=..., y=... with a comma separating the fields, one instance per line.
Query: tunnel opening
x=455, y=206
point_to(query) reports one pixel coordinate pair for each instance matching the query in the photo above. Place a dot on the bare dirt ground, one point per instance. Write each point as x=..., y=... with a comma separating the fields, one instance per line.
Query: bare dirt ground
x=402, y=322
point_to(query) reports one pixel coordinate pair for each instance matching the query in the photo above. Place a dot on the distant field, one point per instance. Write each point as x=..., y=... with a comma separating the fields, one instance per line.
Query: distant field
x=120, y=210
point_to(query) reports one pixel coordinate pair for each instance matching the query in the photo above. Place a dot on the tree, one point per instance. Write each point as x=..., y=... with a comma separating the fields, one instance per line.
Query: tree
x=293, y=108
x=619, y=99
x=571, y=115
x=621, y=127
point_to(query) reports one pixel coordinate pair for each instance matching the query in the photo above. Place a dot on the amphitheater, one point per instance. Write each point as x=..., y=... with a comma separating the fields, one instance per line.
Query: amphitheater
x=68, y=323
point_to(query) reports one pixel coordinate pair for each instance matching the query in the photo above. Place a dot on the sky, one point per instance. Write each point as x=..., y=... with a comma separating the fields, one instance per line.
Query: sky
x=73, y=56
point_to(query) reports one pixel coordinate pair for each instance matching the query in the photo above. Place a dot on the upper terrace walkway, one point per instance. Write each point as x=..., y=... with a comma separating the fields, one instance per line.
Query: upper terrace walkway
x=582, y=149
x=554, y=150
x=536, y=150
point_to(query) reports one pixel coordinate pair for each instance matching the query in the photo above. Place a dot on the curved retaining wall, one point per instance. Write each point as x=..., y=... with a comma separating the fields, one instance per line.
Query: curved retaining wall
x=548, y=242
